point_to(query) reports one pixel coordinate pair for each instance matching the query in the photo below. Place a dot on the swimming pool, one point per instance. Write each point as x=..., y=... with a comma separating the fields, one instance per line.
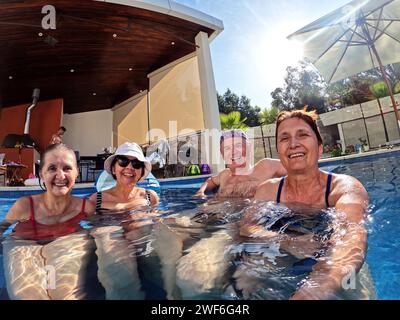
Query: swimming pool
x=380, y=176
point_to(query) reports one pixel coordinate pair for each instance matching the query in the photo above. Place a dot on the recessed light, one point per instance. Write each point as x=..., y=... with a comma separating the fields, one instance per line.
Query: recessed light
x=40, y=34
x=141, y=90
x=72, y=70
x=10, y=77
x=94, y=93
x=114, y=35
x=173, y=43
x=130, y=69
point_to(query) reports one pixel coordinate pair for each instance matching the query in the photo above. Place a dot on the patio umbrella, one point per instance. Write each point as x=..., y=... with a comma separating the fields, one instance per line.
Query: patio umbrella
x=362, y=35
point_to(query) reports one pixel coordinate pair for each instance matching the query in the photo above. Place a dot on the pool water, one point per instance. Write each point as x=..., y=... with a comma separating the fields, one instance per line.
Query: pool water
x=188, y=259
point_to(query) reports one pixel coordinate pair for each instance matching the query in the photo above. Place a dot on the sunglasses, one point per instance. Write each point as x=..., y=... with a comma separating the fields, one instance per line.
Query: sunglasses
x=124, y=162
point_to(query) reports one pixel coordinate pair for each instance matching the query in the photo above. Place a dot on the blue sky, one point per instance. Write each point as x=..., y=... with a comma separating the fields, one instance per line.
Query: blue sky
x=250, y=56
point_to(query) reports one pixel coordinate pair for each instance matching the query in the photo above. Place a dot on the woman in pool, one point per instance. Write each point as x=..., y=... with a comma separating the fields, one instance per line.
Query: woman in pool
x=117, y=262
x=48, y=241
x=299, y=145
x=127, y=166
x=55, y=212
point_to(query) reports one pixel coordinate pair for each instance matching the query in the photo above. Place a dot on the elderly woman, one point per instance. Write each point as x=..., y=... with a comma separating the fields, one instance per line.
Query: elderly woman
x=299, y=145
x=117, y=263
x=127, y=166
x=48, y=249
x=55, y=212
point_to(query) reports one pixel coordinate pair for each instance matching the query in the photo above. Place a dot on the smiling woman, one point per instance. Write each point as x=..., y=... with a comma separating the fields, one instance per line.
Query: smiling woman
x=299, y=145
x=127, y=166
x=54, y=213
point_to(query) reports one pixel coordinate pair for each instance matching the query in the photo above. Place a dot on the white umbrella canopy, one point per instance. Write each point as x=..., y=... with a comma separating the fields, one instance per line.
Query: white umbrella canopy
x=362, y=35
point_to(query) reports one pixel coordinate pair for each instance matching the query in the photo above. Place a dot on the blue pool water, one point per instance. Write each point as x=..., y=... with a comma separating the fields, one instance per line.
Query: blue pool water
x=380, y=176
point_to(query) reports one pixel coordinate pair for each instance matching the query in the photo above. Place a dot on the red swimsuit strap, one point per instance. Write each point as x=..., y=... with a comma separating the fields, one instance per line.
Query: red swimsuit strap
x=32, y=215
x=83, y=206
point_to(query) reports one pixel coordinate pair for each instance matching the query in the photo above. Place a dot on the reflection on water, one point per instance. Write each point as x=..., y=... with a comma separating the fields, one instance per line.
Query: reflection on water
x=198, y=253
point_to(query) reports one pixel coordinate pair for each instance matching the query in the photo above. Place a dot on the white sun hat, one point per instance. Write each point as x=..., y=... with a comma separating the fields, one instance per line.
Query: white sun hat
x=129, y=149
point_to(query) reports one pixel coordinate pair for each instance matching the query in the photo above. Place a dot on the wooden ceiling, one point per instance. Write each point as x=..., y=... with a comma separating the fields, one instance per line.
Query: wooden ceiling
x=99, y=41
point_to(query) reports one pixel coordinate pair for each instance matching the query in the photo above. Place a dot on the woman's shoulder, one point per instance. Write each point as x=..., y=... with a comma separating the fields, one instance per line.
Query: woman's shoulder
x=345, y=181
x=21, y=209
x=346, y=185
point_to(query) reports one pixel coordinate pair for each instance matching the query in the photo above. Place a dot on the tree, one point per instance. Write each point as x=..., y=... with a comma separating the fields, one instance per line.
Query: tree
x=268, y=116
x=303, y=86
x=229, y=102
x=232, y=121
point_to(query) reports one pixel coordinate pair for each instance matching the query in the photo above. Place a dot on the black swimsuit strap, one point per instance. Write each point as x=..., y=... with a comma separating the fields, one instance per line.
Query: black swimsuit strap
x=99, y=200
x=328, y=189
x=148, y=198
x=278, y=195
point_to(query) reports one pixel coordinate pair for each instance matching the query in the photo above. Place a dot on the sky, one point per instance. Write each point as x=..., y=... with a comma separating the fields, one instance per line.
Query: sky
x=251, y=55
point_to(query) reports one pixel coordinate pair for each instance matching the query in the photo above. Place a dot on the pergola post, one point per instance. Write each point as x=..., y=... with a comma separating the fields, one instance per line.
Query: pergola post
x=341, y=135
x=209, y=101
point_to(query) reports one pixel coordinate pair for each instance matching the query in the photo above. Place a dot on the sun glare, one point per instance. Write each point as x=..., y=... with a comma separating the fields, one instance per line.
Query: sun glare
x=271, y=53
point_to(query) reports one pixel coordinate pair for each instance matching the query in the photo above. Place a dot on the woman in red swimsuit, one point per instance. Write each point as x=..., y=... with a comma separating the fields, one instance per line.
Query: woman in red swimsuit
x=54, y=213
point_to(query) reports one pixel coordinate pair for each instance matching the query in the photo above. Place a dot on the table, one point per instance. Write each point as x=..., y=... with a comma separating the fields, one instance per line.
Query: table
x=14, y=174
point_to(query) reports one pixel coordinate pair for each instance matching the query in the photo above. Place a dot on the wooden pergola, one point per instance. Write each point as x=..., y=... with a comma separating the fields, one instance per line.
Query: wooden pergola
x=98, y=56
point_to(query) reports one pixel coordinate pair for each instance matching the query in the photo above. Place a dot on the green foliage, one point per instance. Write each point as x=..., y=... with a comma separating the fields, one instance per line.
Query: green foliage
x=379, y=89
x=396, y=88
x=303, y=86
x=268, y=116
x=336, y=153
x=229, y=102
x=232, y=121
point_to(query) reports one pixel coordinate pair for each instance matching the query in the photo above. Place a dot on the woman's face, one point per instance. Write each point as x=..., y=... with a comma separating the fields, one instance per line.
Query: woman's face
x=59, y=171
x=297, y=145
x=234, y=151
x=126, y=175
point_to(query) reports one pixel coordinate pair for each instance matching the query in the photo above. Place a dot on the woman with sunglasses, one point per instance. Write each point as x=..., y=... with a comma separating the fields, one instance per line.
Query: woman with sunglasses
x=117, y=263
x=128, y=166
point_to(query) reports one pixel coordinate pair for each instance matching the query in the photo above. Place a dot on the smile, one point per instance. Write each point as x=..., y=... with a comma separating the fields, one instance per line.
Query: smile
x=296, y=155
x=60, y=184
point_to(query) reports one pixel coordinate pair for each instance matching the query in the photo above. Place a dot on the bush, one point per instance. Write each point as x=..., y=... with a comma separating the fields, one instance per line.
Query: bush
x=379, y=89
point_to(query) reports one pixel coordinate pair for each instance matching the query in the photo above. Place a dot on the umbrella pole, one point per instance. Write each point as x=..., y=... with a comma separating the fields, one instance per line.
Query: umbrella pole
x=385, y=77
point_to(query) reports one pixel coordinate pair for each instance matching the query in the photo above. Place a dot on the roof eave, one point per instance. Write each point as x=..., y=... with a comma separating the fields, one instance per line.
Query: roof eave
x=174, y=9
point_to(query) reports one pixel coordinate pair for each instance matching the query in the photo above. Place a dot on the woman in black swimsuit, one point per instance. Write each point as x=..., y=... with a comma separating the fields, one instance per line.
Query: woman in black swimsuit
x=127, y=166
x=299, y=145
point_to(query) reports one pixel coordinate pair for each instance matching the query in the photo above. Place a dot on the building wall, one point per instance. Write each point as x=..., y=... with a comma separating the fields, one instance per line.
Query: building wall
x=175, y=95
x=45, y=121
x=130, y=120
x=89, y=132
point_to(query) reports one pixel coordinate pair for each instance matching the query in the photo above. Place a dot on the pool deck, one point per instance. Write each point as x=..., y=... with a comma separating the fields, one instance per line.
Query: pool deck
x=194, y=179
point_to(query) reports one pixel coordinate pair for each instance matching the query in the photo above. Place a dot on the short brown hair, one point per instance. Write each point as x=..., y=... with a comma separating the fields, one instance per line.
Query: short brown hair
x=309, y=117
